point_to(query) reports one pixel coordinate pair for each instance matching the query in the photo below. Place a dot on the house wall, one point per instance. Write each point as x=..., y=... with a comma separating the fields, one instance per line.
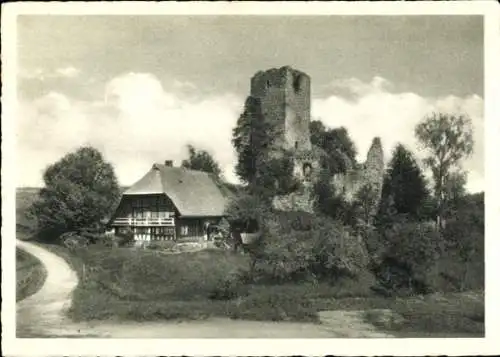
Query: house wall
x=159, y=206
x=193, y=229
x=145, y=206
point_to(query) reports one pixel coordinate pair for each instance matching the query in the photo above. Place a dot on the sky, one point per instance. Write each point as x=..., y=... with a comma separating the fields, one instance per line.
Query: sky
x=140, y=88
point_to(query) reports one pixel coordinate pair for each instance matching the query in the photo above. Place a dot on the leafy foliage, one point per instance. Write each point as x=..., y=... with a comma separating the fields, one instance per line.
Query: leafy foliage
x=404, y=190
x=201, y=160
x=330, y=203
x=454, y=188
x=80, y=191
x=252, y=137
x=340, y=151
x=246, y=210
x=448, y=140
x=464, y=234
x=275, y=177
x=309, y=247
x=409, y=256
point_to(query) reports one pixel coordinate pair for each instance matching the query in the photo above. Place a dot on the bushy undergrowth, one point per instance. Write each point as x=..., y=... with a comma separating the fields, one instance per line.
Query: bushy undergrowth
x=309, y=247
x=297, y=246
x=415, y=257
x=408, y=257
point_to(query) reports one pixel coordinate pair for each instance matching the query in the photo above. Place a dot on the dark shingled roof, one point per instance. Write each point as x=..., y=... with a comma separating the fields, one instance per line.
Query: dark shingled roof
x=194, y=193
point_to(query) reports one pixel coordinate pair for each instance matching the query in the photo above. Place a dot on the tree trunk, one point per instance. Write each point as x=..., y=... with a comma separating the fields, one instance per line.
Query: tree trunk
x=465, y=276
x=253, y=262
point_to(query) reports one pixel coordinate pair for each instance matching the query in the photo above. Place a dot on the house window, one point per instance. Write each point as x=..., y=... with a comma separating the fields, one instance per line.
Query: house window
x=306, y=170
x=184, y=230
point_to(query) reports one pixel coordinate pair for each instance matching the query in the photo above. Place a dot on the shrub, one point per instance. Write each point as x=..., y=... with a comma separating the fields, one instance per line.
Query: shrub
x=125, y=238
x=409, y=258
x=72, y=240
x=154, y=246
x=267, y=304
x=230, y=287
x=463, y=265
x=309, y=247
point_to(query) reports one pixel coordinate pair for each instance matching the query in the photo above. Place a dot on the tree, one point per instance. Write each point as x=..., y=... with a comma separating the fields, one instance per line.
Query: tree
x=454, y=186
x=251, y=139
x=404, y=190
x=80, y=191
x=448, y=140
x=340, y=151
x=201, y=160
x=245, y=213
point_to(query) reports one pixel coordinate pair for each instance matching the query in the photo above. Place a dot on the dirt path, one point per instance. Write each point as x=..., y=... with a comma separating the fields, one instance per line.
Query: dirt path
x=43, y=314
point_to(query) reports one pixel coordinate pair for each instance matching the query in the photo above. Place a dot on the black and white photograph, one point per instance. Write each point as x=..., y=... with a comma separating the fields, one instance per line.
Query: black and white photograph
x=247, y=175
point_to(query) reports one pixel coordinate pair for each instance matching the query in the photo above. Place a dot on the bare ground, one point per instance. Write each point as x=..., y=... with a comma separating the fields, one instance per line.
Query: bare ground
x=43, y=314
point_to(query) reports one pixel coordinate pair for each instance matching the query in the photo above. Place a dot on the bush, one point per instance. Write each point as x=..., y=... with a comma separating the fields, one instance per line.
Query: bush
x=125, y=238
x=309, y=247
x=408, y=260
x=73, y=240
x=154, y=246
x=230, y=287
x=267, y=304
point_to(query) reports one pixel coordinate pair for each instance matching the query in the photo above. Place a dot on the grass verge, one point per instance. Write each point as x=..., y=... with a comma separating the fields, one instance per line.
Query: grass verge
x=30, y=274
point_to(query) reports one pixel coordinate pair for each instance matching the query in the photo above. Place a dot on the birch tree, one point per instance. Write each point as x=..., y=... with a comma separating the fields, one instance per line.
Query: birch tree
x=448, y=140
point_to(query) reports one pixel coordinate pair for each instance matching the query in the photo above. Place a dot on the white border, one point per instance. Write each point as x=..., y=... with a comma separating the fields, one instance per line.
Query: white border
x=124, y=347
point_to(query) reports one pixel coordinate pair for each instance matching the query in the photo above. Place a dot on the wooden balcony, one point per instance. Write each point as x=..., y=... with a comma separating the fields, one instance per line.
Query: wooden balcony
x=150, y=222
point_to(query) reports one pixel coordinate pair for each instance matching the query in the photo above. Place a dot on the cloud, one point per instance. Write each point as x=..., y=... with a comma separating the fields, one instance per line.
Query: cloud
x=183, y=85
x=140, y=120
x=370, y=109
x=44, y=74
x=31, y=73
x=136, y=123
x=356, y=87
x=70, y=72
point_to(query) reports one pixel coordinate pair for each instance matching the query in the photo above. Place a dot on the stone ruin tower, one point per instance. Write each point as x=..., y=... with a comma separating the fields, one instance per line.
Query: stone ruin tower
x=284, y=95
x=284, y=98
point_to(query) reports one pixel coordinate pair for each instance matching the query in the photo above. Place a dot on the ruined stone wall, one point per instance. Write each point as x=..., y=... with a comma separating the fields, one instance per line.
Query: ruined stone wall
x=370, y=174
x=302, y=200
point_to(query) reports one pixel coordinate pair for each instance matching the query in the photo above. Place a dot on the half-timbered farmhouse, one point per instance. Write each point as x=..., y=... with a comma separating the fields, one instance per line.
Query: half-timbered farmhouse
x=171, y=204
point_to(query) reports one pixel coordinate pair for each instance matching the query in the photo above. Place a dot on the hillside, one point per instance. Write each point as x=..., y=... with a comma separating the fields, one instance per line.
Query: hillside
x=25, y=196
